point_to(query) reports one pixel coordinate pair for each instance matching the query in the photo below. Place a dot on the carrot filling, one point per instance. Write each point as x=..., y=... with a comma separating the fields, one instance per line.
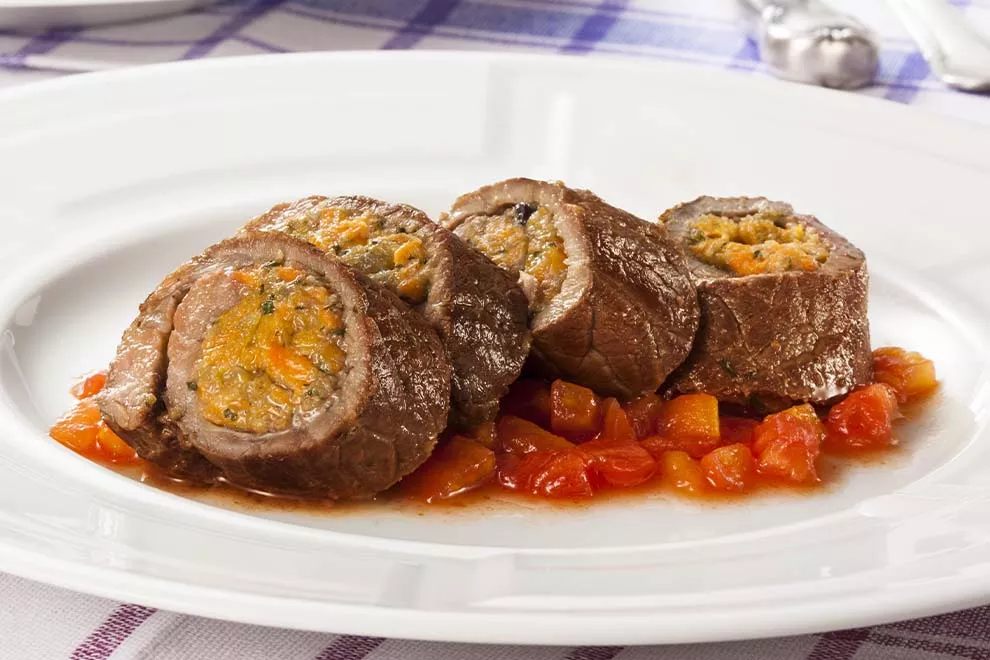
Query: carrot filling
x=522, y=238
x=278, y=351
x=757, y=243
x=392, y=255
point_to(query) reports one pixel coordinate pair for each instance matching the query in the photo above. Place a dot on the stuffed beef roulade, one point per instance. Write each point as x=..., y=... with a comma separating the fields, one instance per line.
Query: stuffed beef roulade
x=783, y=304
x=476, y=307
x=281, y=369
x=611, y=304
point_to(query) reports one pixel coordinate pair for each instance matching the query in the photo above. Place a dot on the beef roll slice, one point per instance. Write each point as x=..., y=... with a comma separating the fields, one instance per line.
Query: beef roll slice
x=611, y=304
x=783, y=304
x=285, y=371
x=478, y=309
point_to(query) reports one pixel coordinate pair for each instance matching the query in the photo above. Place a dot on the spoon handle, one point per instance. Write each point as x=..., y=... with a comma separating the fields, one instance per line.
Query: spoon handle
x=955, y=51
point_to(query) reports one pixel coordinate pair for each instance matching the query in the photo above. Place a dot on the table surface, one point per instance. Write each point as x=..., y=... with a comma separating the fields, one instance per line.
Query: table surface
x=39, y=621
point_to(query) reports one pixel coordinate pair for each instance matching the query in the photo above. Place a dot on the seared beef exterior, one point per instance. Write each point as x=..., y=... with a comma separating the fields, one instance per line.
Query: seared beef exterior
x=132, y=401
x=771, y=338
x=626, y=311
x=379, y=423
x=478, y=309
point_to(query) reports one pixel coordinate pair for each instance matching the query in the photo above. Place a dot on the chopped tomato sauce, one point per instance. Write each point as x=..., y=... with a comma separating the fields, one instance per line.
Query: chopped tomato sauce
x=457, y=466
x=909, y=374
x=865, y=418
x=83, y=430
x=558, y=440
x=787, y=445
x=574, y=410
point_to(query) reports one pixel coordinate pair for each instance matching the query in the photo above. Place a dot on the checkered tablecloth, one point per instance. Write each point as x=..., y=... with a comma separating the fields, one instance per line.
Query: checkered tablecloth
x=38, y=621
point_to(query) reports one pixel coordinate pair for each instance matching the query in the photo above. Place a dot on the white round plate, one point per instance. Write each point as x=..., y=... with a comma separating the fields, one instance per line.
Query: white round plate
x=35, y=14
x=153, y=164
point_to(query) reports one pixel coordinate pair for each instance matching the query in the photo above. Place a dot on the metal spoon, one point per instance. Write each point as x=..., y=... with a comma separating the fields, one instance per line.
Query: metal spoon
x=957, y=53
x=808, y=41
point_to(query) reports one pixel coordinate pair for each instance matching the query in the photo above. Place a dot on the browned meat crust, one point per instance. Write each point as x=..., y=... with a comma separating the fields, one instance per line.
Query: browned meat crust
x=627, y=311
x=776, y=337
x=391, y=405
x=478, y=309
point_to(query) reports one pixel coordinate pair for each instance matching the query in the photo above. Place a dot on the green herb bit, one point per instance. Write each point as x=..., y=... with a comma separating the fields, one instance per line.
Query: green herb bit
x=230, y=414
x=268, y=306
x=191, y=385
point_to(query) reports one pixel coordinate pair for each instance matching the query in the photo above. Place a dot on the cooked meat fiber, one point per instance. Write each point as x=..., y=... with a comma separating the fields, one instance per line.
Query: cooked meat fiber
x=292, y=373
x=783, y=304
x=476, y=307
x=611, y=304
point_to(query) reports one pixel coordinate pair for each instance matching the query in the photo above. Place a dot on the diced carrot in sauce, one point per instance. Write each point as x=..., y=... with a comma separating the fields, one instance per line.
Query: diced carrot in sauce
x=546, y=474
x=690, y=422
x=788, y=443
x=519, y=436
x=79, y=428
x=575, y=411
x=618, y=463
x=112, y=448
x=735, y=430
x=615, y=425
x=529, y=398
x=731, y=467
x=486, y=434
x=910, y=374
x=678, y=470
x=90, y=385
x=459, y=465
x=864, y=419
x=83, y=430
x=644, y=414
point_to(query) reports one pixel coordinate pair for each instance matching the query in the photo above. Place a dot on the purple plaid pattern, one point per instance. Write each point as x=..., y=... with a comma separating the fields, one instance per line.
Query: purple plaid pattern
x=706, y=33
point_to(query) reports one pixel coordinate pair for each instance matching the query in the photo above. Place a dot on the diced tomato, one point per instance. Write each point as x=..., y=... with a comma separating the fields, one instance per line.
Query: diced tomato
x=615, y=425
x=690, y=422
x=529, y=398
x=79, y=428
x=519, y=436
x=788, y=443
x=682, y=472
x=575, y=411
x=731, y=467
x=737, y=430
x=546, y=474
x=910, y=374
x=618, y=463
x=90, y=385
x=863, y=419
x=458, y=465
x=486, y=434
x=644, y=413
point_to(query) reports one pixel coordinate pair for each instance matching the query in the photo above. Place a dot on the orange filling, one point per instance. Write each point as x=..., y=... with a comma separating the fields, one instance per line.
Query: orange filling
x=277, y=351
x=758, y=243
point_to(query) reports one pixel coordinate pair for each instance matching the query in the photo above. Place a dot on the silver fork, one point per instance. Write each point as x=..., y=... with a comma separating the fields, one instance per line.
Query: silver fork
x=956, y=52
